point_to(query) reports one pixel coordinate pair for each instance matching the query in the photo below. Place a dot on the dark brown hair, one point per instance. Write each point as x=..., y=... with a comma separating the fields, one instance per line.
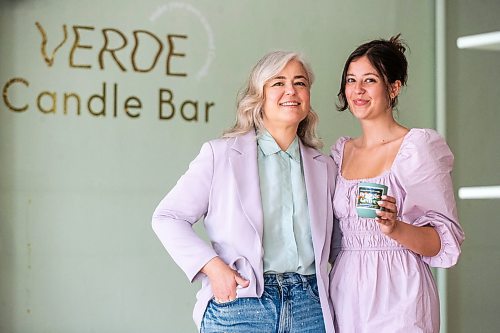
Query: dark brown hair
x=388, y=58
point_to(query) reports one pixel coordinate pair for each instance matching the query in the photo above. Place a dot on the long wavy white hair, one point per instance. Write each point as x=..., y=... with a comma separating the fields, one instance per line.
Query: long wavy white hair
x=251, y=98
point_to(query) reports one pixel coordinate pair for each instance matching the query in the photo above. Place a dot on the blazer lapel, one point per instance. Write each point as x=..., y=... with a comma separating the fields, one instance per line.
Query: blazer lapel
x=316, y=178
x=243, y=161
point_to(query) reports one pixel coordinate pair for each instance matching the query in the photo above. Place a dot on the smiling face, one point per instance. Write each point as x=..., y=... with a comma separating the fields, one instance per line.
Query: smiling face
x=366, y=90
x=286, y=97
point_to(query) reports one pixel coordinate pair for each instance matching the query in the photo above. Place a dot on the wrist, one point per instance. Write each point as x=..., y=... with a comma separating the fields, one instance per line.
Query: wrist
x=211, y=265
x=395, y=231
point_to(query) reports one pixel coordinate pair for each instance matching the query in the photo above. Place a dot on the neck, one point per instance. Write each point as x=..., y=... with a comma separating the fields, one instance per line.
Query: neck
x=377, y=132
x=283, y=136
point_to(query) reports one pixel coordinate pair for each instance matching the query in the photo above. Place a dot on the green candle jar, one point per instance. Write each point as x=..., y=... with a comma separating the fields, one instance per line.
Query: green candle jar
x=368, y=196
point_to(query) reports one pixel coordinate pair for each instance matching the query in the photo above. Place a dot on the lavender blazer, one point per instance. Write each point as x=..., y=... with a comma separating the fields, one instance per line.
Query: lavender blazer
x=222, y=186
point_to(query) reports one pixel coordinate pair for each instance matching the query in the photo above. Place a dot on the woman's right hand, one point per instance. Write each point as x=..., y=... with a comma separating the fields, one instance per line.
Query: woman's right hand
x=223, y=279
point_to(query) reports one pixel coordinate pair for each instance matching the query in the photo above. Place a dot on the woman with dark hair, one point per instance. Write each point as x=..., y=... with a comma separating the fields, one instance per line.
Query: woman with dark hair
x=381, y=280
x=265, y=193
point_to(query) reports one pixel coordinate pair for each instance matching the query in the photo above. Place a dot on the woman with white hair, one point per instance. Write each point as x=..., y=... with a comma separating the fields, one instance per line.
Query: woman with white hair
x=265, y=193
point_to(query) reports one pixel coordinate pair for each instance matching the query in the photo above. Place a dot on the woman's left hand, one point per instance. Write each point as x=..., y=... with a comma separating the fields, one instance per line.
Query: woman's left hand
x=387, y=218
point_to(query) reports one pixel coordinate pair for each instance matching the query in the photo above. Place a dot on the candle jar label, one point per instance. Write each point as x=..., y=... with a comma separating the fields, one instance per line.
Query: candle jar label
x=368, y=196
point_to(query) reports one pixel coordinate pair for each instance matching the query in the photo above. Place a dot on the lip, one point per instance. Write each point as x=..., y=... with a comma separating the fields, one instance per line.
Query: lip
x=359, y=102
x=290, y=103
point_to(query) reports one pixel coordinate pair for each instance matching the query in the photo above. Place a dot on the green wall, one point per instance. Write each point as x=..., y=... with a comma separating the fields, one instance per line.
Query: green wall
x=77, y=191
x=473, y=120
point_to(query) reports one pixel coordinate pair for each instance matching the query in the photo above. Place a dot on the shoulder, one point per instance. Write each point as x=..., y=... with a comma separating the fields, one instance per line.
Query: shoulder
x=220, y=142
x=222, y=149
x=236, y=142
x=424, y=149
x=337, y=149
x=320, y=156
x=423, y=136
x=315, y=162
x=215, y=149
x=425, y=141
x=311, y=153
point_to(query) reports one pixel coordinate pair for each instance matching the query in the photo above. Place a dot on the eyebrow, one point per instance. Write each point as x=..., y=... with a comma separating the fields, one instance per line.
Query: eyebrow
x=295, y=77
x=369, y=73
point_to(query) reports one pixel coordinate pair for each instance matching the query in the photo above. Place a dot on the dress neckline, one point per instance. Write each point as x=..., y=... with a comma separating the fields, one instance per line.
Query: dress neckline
x=380, y=175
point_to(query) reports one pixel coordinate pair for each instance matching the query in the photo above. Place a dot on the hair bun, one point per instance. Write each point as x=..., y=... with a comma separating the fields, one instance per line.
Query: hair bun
x=398, y=43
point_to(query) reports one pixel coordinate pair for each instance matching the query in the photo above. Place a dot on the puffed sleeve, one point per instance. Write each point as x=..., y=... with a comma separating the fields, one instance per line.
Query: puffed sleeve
x=336, y=150
x=424, y=172
x=182, y=207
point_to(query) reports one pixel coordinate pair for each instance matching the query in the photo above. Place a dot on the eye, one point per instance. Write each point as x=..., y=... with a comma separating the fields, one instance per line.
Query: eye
x=277, y=84
x=301, y=83
x=370, y=80
x=350, y=80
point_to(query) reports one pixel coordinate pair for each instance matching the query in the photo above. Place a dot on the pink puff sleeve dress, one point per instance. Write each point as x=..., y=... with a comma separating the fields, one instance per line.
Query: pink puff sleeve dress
x=376, y=284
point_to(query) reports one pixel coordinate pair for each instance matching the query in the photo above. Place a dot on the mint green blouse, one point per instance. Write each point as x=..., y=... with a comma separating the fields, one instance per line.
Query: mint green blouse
x=287, y=233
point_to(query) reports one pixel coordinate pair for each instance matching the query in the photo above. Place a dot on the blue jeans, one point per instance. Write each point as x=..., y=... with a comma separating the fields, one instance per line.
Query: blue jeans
x=289, y=304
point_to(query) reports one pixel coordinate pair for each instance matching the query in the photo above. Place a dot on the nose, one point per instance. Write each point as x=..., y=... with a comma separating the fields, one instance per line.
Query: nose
x=289, y=89
x=358, y=88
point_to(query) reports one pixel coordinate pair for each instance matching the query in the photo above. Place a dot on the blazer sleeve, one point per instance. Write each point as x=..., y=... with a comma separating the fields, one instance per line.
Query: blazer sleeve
x=180, y=209
x=336, y=232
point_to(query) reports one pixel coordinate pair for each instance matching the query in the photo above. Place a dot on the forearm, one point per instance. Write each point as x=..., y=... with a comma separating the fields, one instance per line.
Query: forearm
x=186, y=248
x=422, y=240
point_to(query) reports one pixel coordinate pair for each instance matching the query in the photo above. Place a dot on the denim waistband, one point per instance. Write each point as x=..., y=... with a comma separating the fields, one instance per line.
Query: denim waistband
x=274, y=279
